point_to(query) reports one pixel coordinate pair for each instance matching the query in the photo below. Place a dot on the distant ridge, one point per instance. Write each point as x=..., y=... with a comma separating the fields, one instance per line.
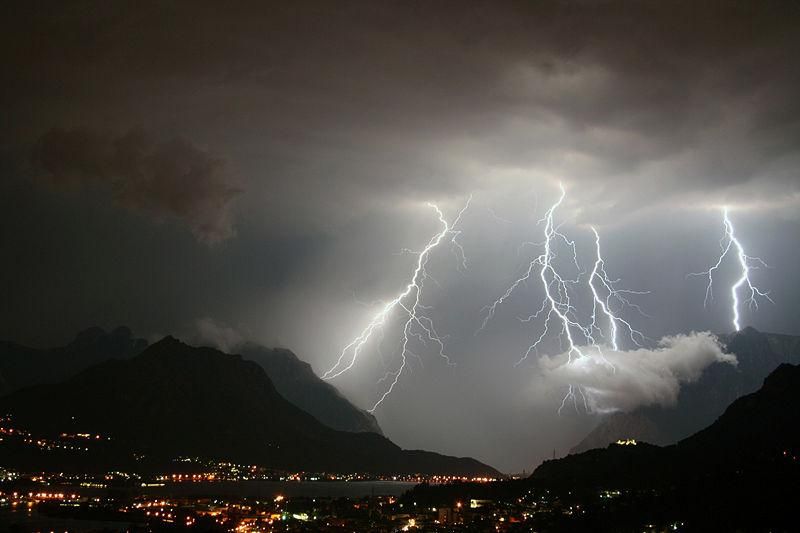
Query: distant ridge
x=173, y=399
x=21, y=366
x=753, y=435
x=297, y=382
x=700, y=403
x=741, y=473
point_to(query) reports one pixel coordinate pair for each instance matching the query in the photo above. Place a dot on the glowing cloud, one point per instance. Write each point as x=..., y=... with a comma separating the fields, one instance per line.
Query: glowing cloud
x=638, y=377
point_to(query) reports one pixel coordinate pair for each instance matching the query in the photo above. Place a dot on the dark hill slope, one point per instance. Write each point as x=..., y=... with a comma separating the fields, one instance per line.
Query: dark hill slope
x=757, y=432
x=700, y=403
x=21, y=366
x=755, y=427
x=297, y=382
x=173, y=399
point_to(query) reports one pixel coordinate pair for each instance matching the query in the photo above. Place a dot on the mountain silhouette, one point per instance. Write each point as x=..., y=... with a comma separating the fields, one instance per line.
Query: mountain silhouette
x=21, y=366
x=738, y=474
x=297, y=382
x=700, y=403
x=174, y=400
x=756, y=433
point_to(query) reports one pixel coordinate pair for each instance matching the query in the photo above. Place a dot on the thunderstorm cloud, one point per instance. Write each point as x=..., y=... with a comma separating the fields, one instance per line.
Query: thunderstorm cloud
x=625, y=380
x=172, y=178
x=209, y=332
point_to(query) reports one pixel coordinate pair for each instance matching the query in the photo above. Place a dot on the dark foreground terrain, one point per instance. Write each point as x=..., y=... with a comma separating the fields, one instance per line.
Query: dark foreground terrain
x=175, y=400
x=739, y=474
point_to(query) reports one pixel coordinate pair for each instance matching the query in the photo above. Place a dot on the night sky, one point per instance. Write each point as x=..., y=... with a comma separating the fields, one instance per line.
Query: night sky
x=255, y=171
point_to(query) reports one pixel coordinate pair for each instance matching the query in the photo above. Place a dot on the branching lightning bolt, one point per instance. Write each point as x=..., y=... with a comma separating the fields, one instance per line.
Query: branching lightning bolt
x=746, y=264
x=558, y=307
x=600, y=276
x=417, y=325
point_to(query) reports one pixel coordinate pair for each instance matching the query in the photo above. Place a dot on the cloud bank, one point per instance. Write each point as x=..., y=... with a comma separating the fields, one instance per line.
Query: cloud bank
x=639, y=377
x=417, y=101
x=172, y=178
x=211, y=333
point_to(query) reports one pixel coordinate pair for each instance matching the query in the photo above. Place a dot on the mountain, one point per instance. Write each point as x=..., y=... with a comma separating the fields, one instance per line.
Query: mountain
x=21, y=366
x=755, y=427
x=176, y=400
x=700, y=403
x=296, y=381
x=757, y=433
x=739, y=474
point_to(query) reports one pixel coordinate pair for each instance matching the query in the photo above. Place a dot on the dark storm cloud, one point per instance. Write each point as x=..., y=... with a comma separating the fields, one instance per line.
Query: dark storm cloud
x=640, y=102
x=171, y=178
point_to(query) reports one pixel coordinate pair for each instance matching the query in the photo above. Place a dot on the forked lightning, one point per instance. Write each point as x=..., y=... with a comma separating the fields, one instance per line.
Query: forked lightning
x=417, y=325
x=746, y=264
x=557, y=304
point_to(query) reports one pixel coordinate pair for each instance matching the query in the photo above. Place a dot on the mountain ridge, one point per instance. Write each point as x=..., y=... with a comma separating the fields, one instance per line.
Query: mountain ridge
x=297, y=382
x=700, y=403
x=756, y=431
x=174, y=399
x=22, y=366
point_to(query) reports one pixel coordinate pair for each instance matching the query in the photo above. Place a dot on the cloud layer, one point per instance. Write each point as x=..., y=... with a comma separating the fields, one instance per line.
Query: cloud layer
x=626, y=380
x=172, y=178
x=211, y=333
x=409, y=101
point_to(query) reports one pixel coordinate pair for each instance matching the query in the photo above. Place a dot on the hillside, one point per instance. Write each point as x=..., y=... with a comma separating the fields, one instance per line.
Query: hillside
x=756, y=433
x=174, y=399
x=700, y=403
x=21, y=366
x=296, y=381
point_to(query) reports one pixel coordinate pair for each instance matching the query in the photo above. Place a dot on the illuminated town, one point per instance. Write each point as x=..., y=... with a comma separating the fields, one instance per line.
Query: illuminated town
x=136, y=511
x=175, y=499
x=197, y=494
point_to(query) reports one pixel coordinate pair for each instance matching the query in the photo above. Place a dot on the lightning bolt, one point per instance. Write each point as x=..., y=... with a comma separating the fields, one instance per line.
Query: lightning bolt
x=416, y=325
x=556, y=303
x=746, y=263
x=557, y=306
x=606, y=305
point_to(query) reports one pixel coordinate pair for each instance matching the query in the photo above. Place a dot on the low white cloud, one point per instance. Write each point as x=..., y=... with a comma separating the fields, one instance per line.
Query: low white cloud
x=212, y=333
x=625, y=380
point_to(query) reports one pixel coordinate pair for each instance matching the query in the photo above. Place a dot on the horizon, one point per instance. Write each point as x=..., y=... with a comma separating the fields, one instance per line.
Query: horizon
x=238, y=351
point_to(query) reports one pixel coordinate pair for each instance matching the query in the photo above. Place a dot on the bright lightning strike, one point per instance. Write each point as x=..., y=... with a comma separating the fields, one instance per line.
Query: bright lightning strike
x=417, y=325
x=612, y=294
x=746, y=264
x=558, y=308
x=556, y=303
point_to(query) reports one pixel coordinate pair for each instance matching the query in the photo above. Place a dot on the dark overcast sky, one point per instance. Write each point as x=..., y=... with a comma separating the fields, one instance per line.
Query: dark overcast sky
x=258, y=166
